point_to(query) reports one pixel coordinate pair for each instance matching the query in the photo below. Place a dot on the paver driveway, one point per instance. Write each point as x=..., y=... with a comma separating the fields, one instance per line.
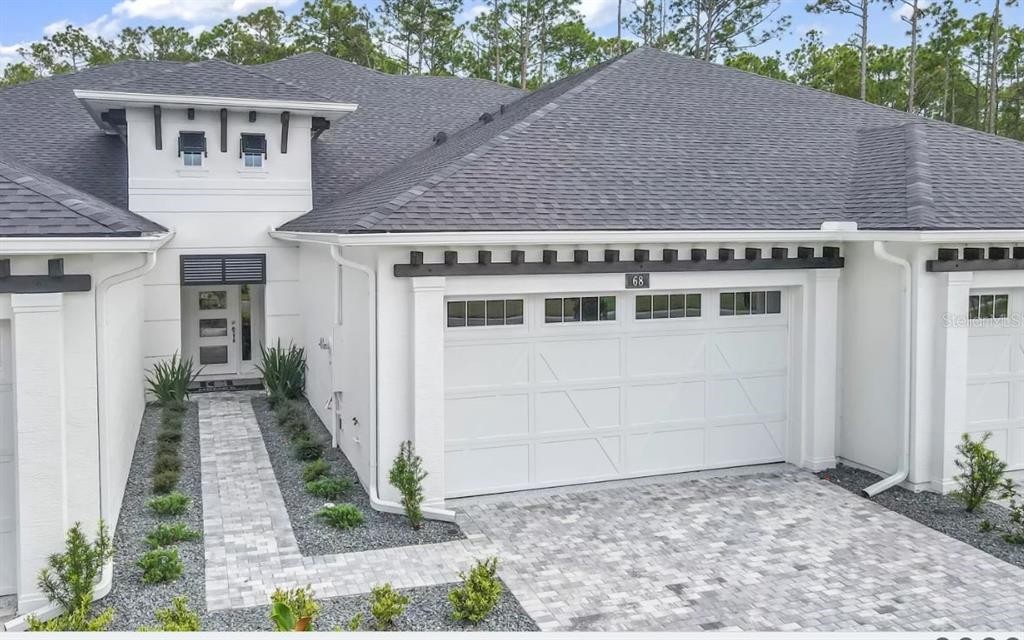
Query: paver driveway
x=773, y=551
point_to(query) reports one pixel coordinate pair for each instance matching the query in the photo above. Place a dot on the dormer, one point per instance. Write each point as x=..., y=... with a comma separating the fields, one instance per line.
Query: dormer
x=214, y=137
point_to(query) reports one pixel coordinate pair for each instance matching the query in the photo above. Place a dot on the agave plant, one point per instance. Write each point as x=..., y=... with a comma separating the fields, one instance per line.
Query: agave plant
x=169, y=380
x=283, y=370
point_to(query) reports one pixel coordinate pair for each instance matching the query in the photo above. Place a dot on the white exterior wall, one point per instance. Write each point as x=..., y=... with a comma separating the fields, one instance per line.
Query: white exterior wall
x=218, y=208
x=58, y=477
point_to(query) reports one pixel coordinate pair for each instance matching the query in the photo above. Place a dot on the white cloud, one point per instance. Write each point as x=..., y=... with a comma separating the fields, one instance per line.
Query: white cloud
x=103, y=26
x=9, y=53
x=55, y=27
x=472, y=12
x=192, y=10
x=903, y=10
x=601, y=13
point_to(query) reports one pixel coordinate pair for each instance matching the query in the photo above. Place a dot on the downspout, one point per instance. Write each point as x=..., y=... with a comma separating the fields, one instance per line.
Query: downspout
x=101, y=588
x=903, y=468
x=376, y=501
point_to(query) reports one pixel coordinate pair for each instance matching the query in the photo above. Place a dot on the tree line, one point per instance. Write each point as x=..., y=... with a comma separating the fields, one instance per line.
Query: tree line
x=965, y=69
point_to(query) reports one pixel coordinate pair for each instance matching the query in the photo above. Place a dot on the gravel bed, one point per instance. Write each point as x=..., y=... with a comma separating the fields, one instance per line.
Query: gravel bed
x=428, y=610
x=134, y=603
x=379, y=531
x=945, y=514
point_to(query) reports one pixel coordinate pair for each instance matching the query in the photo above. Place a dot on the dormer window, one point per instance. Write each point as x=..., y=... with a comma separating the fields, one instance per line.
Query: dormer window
x=192, y=147
x=253, y=150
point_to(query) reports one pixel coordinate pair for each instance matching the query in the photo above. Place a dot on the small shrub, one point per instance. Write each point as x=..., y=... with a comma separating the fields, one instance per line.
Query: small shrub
x=169, y=436
x=1015, y=533
x=315, y=470
x=293, y=610
x=169, y=381
x=172, y=420
x=288, y=410
x=68, y=577
x=176, y=618
x=77, y=620
x=981, y=471
x=174, y=503
x=161, y=565
x=283, y=370
x=296, y=427
x=985, y=526
x=386, y=604
x=407, y=476
x=306, y=449
x=354, y=623
x=165, y=482
x=341, y=516
x=166, y=534
x=167, y=461
x=329, y=488
x=166, y=448
x=479, y=592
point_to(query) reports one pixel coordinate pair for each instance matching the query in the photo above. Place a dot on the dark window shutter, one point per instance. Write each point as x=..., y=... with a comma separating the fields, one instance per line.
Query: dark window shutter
x=250, y=268
x=191, y=142
x=253, y=143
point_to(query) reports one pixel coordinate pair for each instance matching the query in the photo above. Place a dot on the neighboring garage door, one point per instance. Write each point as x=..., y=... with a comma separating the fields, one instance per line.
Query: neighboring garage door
x=551, y=390
x=995, y=382
x=8, y=566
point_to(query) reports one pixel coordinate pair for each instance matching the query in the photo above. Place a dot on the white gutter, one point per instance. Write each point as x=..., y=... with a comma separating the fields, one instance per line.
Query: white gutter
x=82, y=244
x=304, y=107
x=101, y=588
x=831, y=232
x=906, y=356
x=376, y=501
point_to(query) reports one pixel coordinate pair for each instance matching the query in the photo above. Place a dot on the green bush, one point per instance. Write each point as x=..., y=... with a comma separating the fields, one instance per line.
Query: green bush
x=329, y=488
x=288, y=410
x=167, y=534
x=169, y=381
x=77, y=620
x=306, y=449
x=296, y=427
x=176, y=618
x=172, y=419
x=386, y=604
x=174, y=503
x=1015, y=533
x=479, y=593
x=169, y=436
x=316, y=469
x=165, y=481
x=166, y=448
x=68, y=577
x=293, y=610
x=167, y=461
x=981, y=471
x=161, y=565
x=407, y=476
x=283, y=370
x=341, y=516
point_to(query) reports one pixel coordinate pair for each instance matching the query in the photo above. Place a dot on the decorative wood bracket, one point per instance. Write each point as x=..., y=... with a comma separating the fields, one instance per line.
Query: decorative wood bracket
x=581, y=263
x=54, y=282
x=974, y=259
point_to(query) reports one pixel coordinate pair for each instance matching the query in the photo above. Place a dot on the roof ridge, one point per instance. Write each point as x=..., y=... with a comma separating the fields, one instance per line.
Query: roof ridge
x=449, y=169
x=920, y=200
x=250, y=70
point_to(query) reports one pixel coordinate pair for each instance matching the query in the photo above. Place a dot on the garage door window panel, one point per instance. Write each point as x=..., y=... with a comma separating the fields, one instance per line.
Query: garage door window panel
x=664, y=306
x=582, y=309
x=746, y=303
x=988, y=306
x=484, y=313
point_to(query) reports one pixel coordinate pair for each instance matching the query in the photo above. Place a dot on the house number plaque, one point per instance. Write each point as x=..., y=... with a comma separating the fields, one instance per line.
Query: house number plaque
x=638, y=280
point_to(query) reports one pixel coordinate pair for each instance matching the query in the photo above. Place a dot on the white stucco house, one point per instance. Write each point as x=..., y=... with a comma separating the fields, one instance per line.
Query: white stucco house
x=658, y=265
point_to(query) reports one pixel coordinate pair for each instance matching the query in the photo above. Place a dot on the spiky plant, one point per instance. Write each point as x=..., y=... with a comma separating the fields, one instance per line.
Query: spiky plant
x=169, y=380
x=283, y=370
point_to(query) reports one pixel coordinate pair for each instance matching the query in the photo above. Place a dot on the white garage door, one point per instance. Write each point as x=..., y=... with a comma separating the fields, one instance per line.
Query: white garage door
x=544, y=391
x=7, y=504
x=995, y=383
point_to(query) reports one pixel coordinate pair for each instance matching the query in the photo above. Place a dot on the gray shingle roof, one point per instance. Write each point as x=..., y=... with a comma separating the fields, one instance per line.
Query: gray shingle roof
x=657, y=141
x=32, y=204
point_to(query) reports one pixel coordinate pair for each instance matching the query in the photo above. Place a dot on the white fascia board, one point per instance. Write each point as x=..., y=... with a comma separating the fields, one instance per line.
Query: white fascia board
x=118, y=98
x=477, y=238
x=82, y=245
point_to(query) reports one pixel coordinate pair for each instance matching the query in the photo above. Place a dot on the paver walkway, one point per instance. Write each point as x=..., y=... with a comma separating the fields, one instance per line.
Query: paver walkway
x=772, y=551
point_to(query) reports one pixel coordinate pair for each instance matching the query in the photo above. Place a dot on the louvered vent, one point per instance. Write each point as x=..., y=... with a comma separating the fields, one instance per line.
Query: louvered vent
x=248, y=268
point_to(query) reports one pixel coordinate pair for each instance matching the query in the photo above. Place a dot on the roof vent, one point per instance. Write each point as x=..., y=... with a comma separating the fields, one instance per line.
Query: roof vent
x=486, y=117
x=440, y=137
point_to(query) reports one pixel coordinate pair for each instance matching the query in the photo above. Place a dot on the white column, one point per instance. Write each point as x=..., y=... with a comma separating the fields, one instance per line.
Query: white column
x=428, y=382
x=819, y=446
x=38, y=340
x=952, y=372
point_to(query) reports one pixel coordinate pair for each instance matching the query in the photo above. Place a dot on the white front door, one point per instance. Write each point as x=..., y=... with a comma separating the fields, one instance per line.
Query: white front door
x=8, y=510
x=995, y=371
x=213, y=316
x=549, y=390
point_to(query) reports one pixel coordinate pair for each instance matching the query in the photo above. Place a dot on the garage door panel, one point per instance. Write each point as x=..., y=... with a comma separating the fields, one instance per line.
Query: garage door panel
x=487, y=417
x=998, y=442
x=487, y=470
x=740, y=444
x=486, y=365
x=749, y=351
x=577, y=410
x=666, y=355
x=577, y=360
x=989, y=354
x=665, y=403
x=666, y=451
x=987, y=401
x=747, y=396
x=579, y=459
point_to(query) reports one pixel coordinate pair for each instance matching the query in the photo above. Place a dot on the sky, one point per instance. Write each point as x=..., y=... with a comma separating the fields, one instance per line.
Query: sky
x=24, y=21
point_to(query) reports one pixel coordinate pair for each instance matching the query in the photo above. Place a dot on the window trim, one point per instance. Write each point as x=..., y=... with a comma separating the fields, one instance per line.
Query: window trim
x=504, y=324
x=580, y=320
x=669, y=294
x=751, y=296
x=258, y=150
